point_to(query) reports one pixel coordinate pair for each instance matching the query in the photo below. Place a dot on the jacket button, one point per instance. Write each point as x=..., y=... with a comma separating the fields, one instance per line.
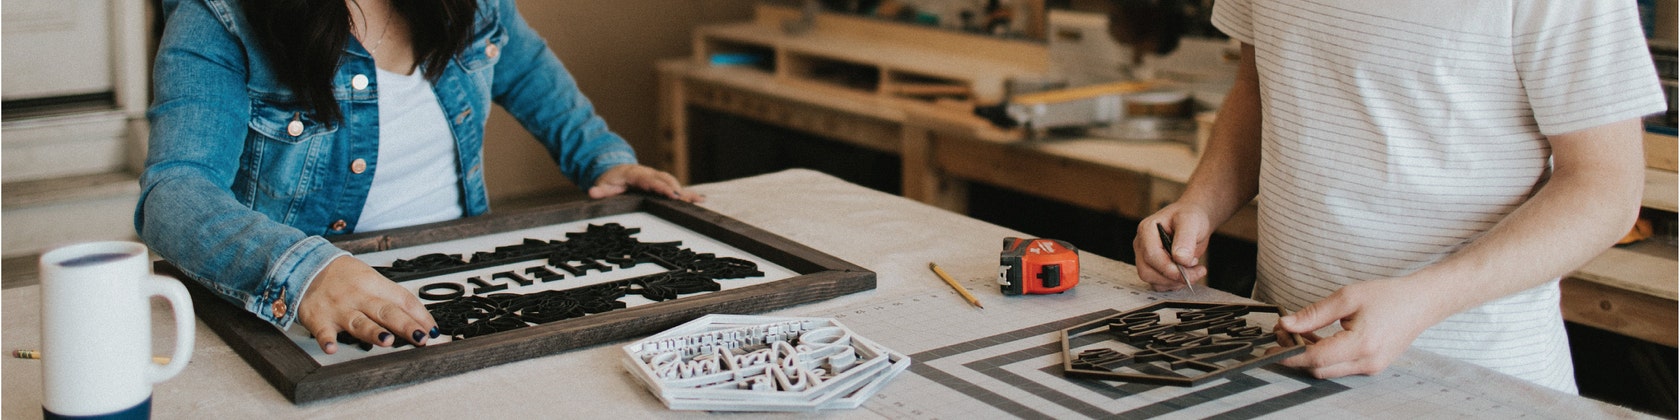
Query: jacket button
x=338, y=225
x=492, y=51
x=279, y=307
x=295, y=128
x=359, y=82
x=358, y=166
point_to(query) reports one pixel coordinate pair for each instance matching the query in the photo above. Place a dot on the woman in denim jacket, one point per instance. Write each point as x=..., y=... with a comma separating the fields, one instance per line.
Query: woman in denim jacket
x=269, y=126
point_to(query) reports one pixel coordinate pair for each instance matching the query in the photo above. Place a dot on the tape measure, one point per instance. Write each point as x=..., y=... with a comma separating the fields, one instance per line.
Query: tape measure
x=1037, y=266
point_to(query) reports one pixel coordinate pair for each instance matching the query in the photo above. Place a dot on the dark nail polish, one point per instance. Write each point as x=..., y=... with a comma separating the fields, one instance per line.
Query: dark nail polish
x=418, y=335
x=434, y=332
x=383, y=336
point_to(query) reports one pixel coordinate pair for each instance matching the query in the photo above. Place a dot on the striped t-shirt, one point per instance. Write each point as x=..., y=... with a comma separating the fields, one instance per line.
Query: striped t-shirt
x=1396, y=132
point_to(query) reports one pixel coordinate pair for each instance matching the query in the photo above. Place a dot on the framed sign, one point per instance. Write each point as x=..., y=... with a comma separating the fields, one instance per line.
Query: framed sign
x=742, y=270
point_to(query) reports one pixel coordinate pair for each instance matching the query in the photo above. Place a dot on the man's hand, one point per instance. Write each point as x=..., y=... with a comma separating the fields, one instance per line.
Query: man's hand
x=622, y=178
x=1190, y=229
x=1380, y=319
x=350, y=296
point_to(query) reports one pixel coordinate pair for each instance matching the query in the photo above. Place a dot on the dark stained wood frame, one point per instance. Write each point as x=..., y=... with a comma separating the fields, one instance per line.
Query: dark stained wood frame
x=296, y=375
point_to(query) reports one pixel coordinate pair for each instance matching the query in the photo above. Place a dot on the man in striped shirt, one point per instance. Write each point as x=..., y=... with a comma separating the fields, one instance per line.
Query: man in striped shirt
x=1425, y=171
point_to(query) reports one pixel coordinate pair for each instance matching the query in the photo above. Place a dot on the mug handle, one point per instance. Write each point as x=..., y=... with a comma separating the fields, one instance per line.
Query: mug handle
x=179, y=301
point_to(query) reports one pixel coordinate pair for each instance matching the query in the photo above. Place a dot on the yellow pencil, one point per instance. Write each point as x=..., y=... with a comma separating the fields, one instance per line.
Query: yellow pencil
x=35, y=354
x=954, y=285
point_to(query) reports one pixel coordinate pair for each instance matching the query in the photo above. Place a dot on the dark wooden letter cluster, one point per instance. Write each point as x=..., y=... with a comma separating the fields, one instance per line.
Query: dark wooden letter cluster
x=1210, y=340
x=599, y=248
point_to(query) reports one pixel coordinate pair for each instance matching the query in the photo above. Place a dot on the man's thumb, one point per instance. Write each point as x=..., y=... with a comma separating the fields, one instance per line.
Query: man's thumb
x=1317, y=315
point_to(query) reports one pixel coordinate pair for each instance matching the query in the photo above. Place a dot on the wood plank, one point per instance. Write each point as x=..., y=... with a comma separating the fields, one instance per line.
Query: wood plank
x=671, y=154
x=737, y=80
x=1632, y=314
x=923, y=181
x=1662, y=190
x=1020, y=168
x=1635, y=271
x=866, y=131
x=984, y=64
x=925, y=89
x=1030, y=56
x=920, y=179
x=1661, y=152
x=65, y=189
x=1083, y=92
x=1166, y=160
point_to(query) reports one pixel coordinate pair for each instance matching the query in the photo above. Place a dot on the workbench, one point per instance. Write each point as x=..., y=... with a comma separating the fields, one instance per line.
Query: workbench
x=968, y=362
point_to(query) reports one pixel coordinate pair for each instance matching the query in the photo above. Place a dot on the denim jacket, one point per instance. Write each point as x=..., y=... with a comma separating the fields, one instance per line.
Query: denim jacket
x=241, y=185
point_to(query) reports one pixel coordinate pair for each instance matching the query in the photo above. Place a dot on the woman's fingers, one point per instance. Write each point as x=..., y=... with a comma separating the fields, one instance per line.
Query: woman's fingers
x=351, y=297
x=622, y=178
x=364, y=328
x=391, y=317
x=327, y=336
x=419, y=313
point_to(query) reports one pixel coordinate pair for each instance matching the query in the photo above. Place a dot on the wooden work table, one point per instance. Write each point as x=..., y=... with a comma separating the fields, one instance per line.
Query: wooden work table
x=1000, y=361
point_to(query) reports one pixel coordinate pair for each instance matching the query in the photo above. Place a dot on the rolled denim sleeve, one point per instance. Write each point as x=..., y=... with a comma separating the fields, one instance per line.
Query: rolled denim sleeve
x=187, y=211
x=537, y=90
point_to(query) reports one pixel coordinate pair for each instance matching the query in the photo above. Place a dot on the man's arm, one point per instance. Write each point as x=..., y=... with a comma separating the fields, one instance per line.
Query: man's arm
x=1590, y=201
x=1225, y=180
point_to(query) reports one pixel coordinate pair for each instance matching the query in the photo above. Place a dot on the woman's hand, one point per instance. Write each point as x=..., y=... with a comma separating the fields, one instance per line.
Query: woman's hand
x=1190, y=229
x=350, y=296
x=621, y=178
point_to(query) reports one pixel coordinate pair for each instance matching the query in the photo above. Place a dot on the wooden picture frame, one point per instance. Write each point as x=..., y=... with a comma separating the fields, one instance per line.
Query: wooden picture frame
x=301, y=379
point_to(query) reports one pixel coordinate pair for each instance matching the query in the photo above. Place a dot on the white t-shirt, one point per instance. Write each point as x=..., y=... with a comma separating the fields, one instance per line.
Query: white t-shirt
x=415, y=178
x=1396, y=132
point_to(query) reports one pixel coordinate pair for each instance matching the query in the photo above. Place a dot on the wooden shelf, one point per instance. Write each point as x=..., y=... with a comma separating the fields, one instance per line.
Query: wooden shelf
x=1630, y=290
x=1648, y=267
x=1662, y=190
x=919, y=64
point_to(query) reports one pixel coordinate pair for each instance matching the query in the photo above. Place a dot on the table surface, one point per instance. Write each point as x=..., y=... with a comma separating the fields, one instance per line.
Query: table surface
x=985, y=363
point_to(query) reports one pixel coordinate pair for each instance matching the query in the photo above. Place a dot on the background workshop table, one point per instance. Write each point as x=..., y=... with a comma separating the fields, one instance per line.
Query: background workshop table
x=981, y=363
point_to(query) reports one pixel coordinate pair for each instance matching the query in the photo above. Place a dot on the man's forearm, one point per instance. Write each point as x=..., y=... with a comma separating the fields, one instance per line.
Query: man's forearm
x=1591, y=200
x=1227, y=177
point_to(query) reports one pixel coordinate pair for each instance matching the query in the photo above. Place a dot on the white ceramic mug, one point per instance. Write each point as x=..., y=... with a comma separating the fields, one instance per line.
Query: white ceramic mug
x=96, y=330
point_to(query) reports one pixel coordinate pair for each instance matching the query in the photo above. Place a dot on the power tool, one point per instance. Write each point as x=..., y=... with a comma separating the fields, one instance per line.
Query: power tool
x=1037, y=266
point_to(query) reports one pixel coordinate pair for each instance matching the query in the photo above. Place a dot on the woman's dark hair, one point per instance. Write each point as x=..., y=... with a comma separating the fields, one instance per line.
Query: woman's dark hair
x=305, y=40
